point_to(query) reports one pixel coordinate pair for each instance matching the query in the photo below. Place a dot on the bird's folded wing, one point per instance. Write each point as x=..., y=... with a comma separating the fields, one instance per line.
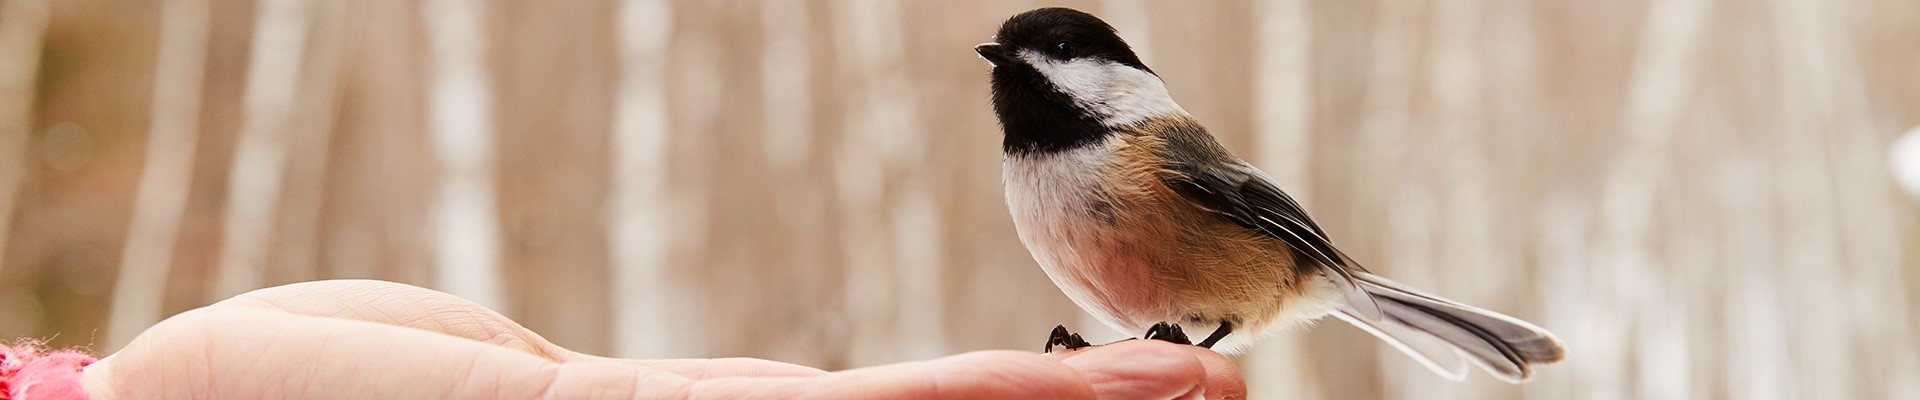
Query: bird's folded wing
x=1249, y=198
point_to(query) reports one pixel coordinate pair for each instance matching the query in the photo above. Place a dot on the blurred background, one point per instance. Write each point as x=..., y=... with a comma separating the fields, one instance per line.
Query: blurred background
x=1698, y=196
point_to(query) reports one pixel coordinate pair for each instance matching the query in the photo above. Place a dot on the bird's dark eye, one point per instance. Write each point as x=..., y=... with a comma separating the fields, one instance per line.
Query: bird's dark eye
x=1065, y=48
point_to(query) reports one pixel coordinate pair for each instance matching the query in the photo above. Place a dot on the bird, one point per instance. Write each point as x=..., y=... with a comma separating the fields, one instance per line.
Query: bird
x=1147, y=222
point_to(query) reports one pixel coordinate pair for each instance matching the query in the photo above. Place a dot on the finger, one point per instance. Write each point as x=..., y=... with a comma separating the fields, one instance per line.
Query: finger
x=1141, y=369
x=415, y=307
x=1223, y=380
x=254, y=353
x=1222, y=377
x=402, y=305
x=709, y=368
x=978, y=375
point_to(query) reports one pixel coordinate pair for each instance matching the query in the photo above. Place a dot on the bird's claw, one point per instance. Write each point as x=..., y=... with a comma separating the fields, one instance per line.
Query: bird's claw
x=1068, y=340
x=1166, y=332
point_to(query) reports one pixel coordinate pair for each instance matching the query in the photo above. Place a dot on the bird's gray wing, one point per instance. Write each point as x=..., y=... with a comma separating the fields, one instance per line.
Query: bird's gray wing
x=1242, y=194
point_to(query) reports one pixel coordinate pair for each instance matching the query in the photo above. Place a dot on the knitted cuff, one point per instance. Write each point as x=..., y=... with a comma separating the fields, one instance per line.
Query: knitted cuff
x=29, y=371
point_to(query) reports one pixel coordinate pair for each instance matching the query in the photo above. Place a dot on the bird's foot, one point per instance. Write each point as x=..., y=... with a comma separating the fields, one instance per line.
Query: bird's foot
x=1226, y=327
x=1166, y=332
x=1067, y=340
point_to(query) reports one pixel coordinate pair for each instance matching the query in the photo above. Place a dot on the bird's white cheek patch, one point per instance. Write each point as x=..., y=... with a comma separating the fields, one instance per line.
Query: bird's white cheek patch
x=1118, y=94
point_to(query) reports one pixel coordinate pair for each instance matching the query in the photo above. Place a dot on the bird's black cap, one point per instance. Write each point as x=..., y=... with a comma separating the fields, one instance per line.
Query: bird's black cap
x=1061, y=33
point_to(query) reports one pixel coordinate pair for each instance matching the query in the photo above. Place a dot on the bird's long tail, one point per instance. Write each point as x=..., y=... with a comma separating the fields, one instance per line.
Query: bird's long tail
x=1437, y=332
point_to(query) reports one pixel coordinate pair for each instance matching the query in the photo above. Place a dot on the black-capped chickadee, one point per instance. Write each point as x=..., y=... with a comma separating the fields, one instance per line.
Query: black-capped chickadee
x=1146, y=222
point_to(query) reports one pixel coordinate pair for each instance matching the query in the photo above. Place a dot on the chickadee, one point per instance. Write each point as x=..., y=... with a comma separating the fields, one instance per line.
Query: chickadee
x=1146, y=222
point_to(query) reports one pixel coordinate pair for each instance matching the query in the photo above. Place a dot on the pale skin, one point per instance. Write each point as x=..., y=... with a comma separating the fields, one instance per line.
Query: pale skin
x=351, y=338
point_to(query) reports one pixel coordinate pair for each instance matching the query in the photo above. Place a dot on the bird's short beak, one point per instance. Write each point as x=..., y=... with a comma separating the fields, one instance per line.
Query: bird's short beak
x=995, y=53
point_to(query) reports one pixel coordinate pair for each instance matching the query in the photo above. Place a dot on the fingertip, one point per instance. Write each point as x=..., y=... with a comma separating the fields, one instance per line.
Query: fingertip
x=976, y=375
x=1223, y=378
x=1143, y=369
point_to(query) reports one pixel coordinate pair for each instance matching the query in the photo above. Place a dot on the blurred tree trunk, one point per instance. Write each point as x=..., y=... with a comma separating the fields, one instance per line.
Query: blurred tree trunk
x=164, y=179
x=23, y=24
x=379, y=190
x=257, y=177
x=654, y=302
x=295, y=250
x=460, y=105
x=1283, y=116
x=556, y=66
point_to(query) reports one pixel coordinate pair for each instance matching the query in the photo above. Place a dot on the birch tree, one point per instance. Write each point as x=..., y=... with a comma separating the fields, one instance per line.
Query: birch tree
x=648, y=318
x=274, y=73
x=23, y=23
x=162, y=195
x=460, y=107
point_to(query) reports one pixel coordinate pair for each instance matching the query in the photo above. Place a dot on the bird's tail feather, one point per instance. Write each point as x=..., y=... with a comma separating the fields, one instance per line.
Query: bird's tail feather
x=1437, y=331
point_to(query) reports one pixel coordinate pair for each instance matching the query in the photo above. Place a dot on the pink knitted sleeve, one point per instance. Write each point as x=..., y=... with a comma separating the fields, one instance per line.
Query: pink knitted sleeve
x=31, y=372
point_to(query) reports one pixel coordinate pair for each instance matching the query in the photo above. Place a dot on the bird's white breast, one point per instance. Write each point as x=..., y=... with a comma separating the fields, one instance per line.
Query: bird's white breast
x=1054, y=200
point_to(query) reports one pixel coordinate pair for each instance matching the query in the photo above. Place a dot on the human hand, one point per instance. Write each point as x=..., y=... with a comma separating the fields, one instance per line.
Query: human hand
x=351, y=338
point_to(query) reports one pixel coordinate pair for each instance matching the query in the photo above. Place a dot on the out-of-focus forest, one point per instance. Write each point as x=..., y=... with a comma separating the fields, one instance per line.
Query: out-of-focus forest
x=1694, y=194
